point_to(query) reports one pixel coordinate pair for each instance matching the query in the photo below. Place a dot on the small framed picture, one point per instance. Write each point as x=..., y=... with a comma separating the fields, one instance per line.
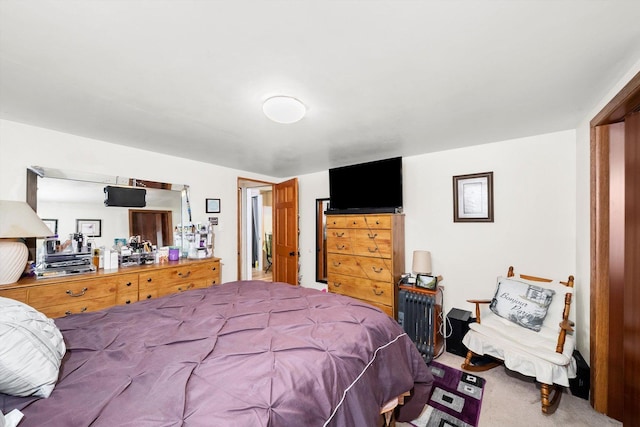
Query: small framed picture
x=213, y=205
x=52, y=224
x=89, y=227
x=473, y=197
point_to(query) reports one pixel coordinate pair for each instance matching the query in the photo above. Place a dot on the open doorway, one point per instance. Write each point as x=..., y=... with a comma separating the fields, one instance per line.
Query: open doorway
x=263, y=253
x=255, y=260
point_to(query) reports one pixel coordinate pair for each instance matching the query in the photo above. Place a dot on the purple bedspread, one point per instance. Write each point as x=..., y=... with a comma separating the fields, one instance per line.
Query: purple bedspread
x=240, y=354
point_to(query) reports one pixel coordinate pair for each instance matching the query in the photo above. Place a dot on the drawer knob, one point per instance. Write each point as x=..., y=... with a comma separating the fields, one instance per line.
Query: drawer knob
x=377, y=270
x=149, y=279
x=148, y=296
x=335, y=233
x=372, y=250
x=336, y=264
x=213, y=269
x=340, y=247
x=378, y=293
x=377, y=222
x=128, y=301
x=71, y=294
x=372, y=236
x=69, y=313
x=337, y=284
x=184, y=276
x=128, y=284
x=187, y=288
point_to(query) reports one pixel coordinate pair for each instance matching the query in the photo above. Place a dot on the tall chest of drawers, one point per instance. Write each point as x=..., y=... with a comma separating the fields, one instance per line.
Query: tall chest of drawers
x=365, y=257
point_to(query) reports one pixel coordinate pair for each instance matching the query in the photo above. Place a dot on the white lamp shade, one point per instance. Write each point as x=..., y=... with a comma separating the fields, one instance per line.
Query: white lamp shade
x=421, y=262
x=284, y=109
x=17, y=221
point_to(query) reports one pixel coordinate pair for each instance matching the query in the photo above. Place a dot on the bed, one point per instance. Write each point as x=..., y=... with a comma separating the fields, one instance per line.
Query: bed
x=245, y=353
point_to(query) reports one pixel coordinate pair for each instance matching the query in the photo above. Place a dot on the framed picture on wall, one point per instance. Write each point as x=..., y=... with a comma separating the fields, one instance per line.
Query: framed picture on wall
x=213, y=205
x=52, y=224
x=473, y=197
x=89, y=227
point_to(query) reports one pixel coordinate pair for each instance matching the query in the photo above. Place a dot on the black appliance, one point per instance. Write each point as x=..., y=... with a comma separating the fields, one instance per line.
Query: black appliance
x=373, y=187
x=125, y=197
x=459, y=321
x=579, y=385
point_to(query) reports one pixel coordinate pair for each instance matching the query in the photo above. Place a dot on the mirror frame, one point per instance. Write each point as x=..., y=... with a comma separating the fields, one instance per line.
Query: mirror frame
x=35, y=172
x=322, y=205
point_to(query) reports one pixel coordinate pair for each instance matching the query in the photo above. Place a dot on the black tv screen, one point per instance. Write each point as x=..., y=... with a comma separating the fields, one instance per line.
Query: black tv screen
x=125, y=197
x=374, y=186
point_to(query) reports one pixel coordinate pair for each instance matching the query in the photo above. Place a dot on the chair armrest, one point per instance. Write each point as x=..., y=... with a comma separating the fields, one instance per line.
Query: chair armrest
x=477, y=302
x=567, y=325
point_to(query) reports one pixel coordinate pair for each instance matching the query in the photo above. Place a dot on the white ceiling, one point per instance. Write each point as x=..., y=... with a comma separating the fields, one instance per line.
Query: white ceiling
x=379, y=78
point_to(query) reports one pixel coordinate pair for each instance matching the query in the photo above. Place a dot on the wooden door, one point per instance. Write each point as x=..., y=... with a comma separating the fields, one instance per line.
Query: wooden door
x=285, y=213
x=155, y=226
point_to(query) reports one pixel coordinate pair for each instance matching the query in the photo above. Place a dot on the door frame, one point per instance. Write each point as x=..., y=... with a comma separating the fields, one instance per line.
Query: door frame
x=622, y=104
x=243, y=184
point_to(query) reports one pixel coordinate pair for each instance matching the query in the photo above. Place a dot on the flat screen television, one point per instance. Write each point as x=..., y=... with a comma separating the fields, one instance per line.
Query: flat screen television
x=372, y=187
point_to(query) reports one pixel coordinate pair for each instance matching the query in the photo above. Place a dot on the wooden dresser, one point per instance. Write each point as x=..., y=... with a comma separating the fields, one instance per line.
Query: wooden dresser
x=365, y=257
x=60, y=296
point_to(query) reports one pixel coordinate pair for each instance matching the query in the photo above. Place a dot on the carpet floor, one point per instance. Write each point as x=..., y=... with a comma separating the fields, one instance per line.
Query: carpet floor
x=455, y=400
x=510, y=401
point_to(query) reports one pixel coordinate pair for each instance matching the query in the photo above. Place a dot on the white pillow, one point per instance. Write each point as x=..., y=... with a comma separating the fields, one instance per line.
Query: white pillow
x=521, y=302
x=11, y=419
x=31, y=350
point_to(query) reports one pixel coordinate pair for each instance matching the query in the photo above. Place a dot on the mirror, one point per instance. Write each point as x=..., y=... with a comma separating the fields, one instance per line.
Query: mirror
x=73, y=202
x=322, y=205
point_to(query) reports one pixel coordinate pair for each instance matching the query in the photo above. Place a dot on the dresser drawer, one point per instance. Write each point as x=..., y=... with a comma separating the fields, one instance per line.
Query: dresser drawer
x=125, y=283
x=339, y=241
x=71, y=292
x=16, y=294
x=169, y=276
x=336, y=221
x=75, y=307
x=344, y=264
x=375, y=243
x=385, y=308
x=364, y=289
x=368, y=221
x=215, y=273
x=378, y=269
x=127, y=298
x=182, y=287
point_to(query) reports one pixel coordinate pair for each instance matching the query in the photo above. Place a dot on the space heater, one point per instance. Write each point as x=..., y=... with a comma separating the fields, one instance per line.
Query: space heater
x=419, y=315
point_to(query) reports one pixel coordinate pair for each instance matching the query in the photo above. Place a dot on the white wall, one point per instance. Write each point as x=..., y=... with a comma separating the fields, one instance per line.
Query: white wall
x=535, y=213
x=541, y=203
x=22, y=146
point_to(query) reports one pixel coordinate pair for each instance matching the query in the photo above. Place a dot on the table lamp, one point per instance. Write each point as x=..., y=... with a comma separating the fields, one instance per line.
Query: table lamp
x=17, y=221
x=421, y=262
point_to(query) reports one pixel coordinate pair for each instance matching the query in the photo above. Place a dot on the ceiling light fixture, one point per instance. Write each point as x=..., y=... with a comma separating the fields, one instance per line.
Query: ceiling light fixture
x=284, y=109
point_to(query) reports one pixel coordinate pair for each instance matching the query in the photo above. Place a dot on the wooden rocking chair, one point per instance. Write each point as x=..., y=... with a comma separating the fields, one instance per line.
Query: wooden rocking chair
x=510, y=338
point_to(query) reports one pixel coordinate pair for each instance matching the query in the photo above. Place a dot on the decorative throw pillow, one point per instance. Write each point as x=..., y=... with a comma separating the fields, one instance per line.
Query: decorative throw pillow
x=522, y=303
x=31, y=351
